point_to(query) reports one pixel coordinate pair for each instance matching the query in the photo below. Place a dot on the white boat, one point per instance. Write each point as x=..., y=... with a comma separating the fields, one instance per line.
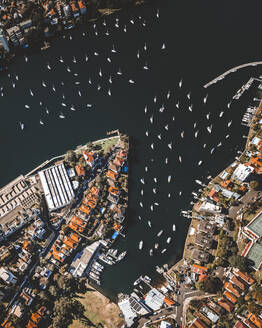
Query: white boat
x=110, y=79
x=156, y=246
x=166, y=127
x=138, y=54
x=132, y=21
x=208, y=116
x=209, y=128
x=142, y=180
x=180, y=159
x=26, y=59
x=141, y=204
x=100, y=73
x=140, y=246
x=89, y=81
x=22, y=126
x=63, y=104
x=121, y=256
x=146, y=66
x=151, y=119
x=157, y=13
x=159, y=233
x=113, y=49
x=27, y=106
x=72, y=108
x=53, y=88
x=163, y=46
x=229, y=123
x=43, y=84
x=119, y=72
x=41, y=122
x=137, y=281
x=77, y=83
x=61, y=115
x=180, y=83
x=169, y=179
x=74, y=59
x=125, y=30
x=205, y=99
x=96, y=53
x=61, y=59
x=47, y=111
x=131, y=81
x=168, y=240
x=145, y=46
x=163, y=251
x=31, y=92
x=151, y=252
x=89, y=105
x=109, y=92
x=174, y=227
x=79, y=93
x=86, y=58
x=149, y=223
x=68, y=69
x=107, y=33
x=48, y=66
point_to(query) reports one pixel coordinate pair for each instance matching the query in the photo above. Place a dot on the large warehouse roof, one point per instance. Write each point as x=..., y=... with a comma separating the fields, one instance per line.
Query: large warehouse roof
x=57, y=187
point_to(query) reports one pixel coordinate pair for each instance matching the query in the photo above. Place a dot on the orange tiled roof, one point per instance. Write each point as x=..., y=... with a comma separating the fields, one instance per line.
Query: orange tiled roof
x=245, y=277
x=113, y=190
x=230, y=297
x=231, y=289
x=79, y=170
x=226, y=304
x=168, y=301
x=255, y=320
x=238, y=283
x=84, y=208
x=112, y=175
x=81, y=4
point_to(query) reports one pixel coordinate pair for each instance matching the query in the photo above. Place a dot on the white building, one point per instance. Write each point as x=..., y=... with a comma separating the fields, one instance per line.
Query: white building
x=57, y=186
x=127, y=311
x=209, y=207
x=242, y=172
x=165, y=324
x=7, y=276
x=154, y=299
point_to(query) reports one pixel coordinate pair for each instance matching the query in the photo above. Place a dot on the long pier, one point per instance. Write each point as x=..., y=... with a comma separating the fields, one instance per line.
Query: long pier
x=231, y=70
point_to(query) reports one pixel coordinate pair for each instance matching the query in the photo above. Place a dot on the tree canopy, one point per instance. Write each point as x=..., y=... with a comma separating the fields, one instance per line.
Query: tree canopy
x=237, y=261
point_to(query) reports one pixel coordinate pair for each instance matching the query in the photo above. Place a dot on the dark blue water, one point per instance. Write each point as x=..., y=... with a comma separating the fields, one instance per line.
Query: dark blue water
x=203, y=39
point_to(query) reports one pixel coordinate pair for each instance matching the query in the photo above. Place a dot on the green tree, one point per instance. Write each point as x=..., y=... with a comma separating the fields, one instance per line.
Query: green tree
x=237, y=261
x=53, y=290
x=209, y=285
x=67, y=309
x=254, y=307
x=254, y=185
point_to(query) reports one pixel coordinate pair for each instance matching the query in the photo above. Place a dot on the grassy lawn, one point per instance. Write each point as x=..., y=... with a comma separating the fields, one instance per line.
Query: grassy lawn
x=98, y=310
x=106, y=144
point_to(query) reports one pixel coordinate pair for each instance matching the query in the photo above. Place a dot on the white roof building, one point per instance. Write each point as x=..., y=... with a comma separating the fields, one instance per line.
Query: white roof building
x=57, y=187
x=242, y=172
x=127, y=311
x=165, y=324
x=209, y=207
x=7, y=276
x=154, y=299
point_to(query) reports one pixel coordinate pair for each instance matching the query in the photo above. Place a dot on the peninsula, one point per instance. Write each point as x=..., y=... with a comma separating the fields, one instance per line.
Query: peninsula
x=57, y=227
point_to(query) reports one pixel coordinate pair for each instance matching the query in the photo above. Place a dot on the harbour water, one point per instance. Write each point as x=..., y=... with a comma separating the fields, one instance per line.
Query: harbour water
x=202, y=39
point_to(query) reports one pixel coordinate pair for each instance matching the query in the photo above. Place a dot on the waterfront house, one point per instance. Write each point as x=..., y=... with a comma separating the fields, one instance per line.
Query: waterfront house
x=242, y=172
x=255, y=161
x=212, y=316
x=198, y=269
x=203, y=240
x=245, y=277
x=200, y=256
x=89, y=157
x=154, y=299
x=207, y=206
x=255, y=320
x=206, y=227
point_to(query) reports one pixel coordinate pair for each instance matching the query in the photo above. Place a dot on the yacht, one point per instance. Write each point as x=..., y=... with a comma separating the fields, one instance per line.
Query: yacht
x=43, y=84
x=163, y=46
x=151, y=252
x=125, y=30
x=113, y=49
x=169, y=179
x=149, y=223
x=138, y=54
x=108, y=59
x=121, y=256
x=163, y=251
x=61, y=115
x=151, y=119
x=72, y=108
x=132, y=21
x=26, y=59
x=131, y=81
x=22, y=126
x=31, y=92
x=137, y=281
x=119, y=72
x=168, y=240
x=145, y=47
x=205, y=99
x=96, y=53
x=146, y=66
x=48, y=66
x=156, y=246
x=180, y=159
x=53, y=88
x=229, y=123
x=109, y=92
x=79, y=93
x=159, y=233
x=68, y=69
x=47, y=111
x=89, y=105
x=209, y=128
x=180, y=83
x=74, y=59
x=140, y=246
x=63, y=104
x=174, y=227
x=61, y=59
x=157, y=13
x=142, y=180
x=41, y=122
x=86, y=58
x=107, y=33
x=27, y=106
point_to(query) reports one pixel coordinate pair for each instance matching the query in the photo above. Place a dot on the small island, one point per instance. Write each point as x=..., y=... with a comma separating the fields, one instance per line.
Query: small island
x=58, y=224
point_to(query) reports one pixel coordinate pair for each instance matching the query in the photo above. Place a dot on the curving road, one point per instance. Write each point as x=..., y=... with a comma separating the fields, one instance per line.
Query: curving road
x=232, y=70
